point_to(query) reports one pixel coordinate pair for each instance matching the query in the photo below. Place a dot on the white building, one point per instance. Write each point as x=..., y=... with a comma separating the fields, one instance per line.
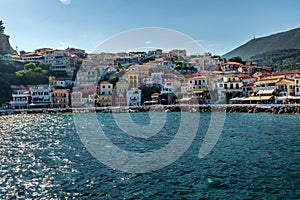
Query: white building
x=172, y=86
x=197, y=82
x=148, y=80
x=40, y=95
x=20, y=98
x=59, y=82
x=134, y=97
x=89, y=76
x=157, y=78
x=229, y=84
x=106, y=88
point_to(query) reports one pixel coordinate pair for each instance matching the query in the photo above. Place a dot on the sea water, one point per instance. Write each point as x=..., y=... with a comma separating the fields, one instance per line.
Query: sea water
x=257, y=156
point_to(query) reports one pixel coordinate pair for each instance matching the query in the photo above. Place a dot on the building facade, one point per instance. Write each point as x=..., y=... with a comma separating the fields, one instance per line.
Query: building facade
x=134, y=97
x=60, y=98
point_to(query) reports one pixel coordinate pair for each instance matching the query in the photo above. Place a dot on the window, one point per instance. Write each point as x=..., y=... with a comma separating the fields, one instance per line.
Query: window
x=220, y=85
x=297, y=89
x=103, y=86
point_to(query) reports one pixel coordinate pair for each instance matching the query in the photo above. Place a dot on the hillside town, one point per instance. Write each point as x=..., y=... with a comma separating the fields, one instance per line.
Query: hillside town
x=147, y=78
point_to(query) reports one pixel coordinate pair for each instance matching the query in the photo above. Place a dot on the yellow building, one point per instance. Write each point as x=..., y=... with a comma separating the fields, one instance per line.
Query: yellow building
x=105, y=97
x=132, y=79
x=105, y=100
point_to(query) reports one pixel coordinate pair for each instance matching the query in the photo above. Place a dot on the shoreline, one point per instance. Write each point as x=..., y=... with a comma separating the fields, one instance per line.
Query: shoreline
x=229, y=108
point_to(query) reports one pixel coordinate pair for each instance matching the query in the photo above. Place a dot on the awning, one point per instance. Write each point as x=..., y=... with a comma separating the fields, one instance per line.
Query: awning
x=257, y=98
x=200, y=90
x=266, y=91
x=237, y=99
x=266, y=82
x=234, y=99
x=288, y=97
x=185, y=99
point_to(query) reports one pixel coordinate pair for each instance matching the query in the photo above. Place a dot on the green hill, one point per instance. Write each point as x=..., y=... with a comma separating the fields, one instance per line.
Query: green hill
x=279, y=60
x=280, y=41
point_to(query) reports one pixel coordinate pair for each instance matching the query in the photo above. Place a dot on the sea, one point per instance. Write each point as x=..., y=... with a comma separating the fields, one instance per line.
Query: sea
x=252, y=156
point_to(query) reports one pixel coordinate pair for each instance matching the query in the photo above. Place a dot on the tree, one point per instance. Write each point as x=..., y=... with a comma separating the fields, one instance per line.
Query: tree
x=216, y=56
x=119, y=65
x=22, y=52
x=30, y=66
x=178, y=67
x=185, y=68
x=148, y=91
x=113, y=79
x=236, y=59
x=1, y=27
x=30, y=71
x=192, y=68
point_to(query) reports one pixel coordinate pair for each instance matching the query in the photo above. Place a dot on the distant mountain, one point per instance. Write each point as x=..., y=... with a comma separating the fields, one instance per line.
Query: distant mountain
x=280, y=41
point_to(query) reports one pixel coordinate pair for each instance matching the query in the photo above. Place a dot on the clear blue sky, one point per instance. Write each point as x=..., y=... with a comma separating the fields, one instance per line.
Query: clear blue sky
x=219, y=26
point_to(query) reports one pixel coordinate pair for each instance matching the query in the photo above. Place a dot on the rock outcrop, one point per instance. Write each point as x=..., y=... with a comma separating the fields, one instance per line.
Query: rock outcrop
x=5, y=47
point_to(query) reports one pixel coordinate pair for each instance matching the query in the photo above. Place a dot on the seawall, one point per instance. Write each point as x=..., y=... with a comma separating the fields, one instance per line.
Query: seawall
x=229, y=108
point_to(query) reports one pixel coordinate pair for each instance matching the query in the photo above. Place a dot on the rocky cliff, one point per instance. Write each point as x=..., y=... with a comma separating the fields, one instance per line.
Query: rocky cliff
x=5, y=47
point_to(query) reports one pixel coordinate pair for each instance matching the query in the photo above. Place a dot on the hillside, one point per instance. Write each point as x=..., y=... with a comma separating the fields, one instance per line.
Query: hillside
x=8, y=77
x=279, y=60
x=280, y=41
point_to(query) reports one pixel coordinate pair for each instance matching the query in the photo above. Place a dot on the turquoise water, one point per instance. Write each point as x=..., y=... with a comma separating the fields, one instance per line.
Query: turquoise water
x=256, y=157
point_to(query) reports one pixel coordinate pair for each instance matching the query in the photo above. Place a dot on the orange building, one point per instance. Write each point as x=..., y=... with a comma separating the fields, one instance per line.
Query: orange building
x=60, y=98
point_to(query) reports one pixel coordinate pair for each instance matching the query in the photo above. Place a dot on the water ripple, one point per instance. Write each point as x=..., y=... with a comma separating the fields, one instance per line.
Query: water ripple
x=257, y=157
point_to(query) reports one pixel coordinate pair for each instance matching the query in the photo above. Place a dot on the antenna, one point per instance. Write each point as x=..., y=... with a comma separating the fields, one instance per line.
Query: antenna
x=253, y=36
